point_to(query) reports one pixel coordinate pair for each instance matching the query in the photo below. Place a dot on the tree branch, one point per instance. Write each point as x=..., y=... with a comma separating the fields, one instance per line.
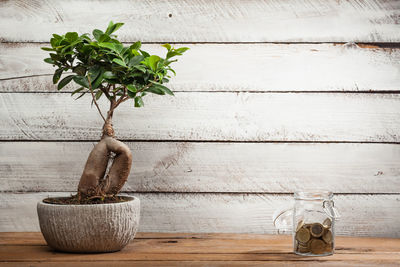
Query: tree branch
x=94, y=98
x=105, y=91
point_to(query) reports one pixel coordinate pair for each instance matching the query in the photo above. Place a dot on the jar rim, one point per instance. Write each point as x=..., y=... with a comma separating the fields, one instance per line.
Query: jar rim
x=313, y=195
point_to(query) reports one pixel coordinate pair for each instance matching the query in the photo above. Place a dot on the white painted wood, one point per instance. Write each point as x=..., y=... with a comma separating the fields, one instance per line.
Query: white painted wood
x=207, y=20
x=207, y=116
x=211, y=167
x=362, y=215
x=236, y=67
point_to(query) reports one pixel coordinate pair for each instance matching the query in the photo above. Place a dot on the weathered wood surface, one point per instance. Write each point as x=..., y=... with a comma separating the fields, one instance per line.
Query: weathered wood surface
x=213, y=250
x=235, y=67
x=208, y=116
x=211, y=167
x=362, y=214
x=207, y=21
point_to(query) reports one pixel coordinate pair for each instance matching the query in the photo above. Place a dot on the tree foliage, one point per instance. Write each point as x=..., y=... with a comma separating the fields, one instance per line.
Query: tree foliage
x=102, y=65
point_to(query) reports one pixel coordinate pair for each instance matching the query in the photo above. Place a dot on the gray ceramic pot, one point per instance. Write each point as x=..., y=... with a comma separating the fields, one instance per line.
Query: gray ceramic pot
x=89, y=228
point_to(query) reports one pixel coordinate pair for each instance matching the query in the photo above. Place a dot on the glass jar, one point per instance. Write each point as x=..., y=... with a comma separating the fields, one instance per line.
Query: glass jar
x=312, y=223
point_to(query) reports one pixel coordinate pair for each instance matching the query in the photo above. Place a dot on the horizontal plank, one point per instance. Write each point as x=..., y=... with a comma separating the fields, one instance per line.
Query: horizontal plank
x=267, y=245
x=46, y=254
x=266, y=67
x=211, y=167
x=208, y=116
x=343, y=244
x=362, y=215
x=207, y=21
x=202, y=263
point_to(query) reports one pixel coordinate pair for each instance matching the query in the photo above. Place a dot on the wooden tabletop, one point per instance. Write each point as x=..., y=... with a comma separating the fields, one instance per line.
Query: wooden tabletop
x=175, y=249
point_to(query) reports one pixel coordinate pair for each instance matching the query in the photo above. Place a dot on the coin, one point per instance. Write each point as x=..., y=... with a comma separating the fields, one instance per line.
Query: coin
x=303, y=235
x=317, y=246
x=329, y=248
x=316, y=229
x=327, y=223
x=327, y=236
x=299, y=225
x=303, y=248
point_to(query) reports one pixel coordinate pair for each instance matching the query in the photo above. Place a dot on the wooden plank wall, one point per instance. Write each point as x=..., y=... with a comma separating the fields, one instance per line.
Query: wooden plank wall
x=273, y=97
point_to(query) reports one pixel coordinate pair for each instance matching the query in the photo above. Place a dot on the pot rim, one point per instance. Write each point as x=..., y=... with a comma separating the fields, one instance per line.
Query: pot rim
x=131, y=199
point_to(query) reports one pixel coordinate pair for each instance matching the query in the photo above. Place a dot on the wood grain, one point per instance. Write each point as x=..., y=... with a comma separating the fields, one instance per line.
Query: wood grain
x=343, y=243
x=265, y=67
x=210, y=167
x=267, y=248
x=226, y=263
x=208, y=116
x=207, y=21
x=362, y=215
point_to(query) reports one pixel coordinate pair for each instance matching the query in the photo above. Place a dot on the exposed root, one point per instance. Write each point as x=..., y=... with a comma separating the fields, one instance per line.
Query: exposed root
x=94, y=183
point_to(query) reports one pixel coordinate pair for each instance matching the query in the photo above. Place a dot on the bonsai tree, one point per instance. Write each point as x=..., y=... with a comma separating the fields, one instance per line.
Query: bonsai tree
x=103, y=67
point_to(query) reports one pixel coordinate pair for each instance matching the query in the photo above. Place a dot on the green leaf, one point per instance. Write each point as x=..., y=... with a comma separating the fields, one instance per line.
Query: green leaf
x=168, y=46
x=104, y=38
x=110, y=46
x=119, y=62
x=136, y=45
x=64, y=81
x=49, y=60
x=119, y=48
x=113, y=27
x=47, y=49
x=97, y=34
x=71, y=36
x=99, y=80
x=155, y=90
x=139, y=102
x=54, y=42
x=144, y=53
x=140, y=68
x=80, y=70
x=135, y=61
x=165, y=89
x=110, y=27
x=98, y=94
x=77, y=90
x=57, y=75
x=153, y=60
x=182, y=49
x=56, y=36
x=81, y=80
x=109, y=75
x=131, y=88
x=172, y=54
x=117, y=26
x=131, y=94
x=161, y=87
x=80, y=96
x=94, y=72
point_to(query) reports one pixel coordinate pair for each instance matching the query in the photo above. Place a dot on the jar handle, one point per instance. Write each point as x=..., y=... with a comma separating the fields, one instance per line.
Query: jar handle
x=330, y=210
x=283, y=220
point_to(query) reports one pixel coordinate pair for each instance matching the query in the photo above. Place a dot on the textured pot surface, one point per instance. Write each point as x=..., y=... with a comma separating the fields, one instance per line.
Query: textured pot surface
x=89, y=228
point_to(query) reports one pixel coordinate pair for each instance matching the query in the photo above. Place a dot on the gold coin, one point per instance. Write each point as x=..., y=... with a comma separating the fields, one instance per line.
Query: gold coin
x=303, y=248
x=303, y=235
x=316, y=229
x=317, y=246
x=327, y=223
x=327, y=237
x=299, y=225
x=329, y=248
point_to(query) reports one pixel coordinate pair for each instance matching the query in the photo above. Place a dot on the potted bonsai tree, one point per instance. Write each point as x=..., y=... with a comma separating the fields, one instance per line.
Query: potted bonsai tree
x=96, y=219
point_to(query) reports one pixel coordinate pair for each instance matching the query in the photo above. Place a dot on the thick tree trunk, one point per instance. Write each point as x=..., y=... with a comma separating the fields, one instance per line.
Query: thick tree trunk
x=94, y=181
